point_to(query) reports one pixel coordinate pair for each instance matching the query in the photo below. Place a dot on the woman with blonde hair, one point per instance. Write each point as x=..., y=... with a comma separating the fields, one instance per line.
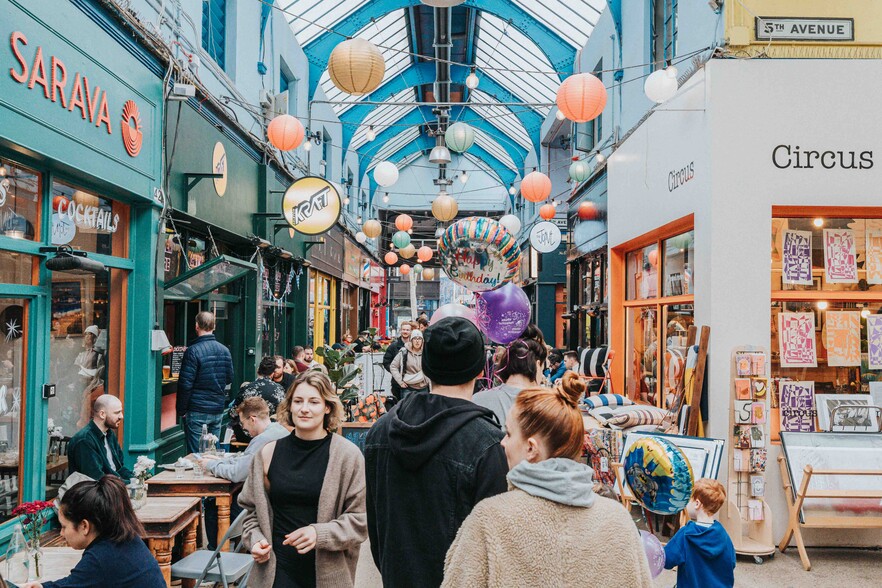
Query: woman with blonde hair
x=525, y=537
x=305, y=495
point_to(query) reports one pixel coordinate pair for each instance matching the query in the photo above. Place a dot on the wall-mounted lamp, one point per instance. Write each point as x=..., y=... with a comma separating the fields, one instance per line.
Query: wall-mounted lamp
x=70, y=261
x=311, y=138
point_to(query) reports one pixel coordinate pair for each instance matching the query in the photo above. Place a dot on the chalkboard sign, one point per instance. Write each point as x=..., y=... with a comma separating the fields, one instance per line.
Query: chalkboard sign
x=356, y=432
x=177, y=357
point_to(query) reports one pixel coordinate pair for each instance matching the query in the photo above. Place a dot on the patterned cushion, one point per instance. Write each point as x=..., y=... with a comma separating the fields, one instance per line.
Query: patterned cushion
x=637, y=415
x=607, y=400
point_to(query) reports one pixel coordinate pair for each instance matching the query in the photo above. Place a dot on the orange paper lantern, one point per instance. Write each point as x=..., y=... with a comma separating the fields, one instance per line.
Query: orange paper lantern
x=425, y=253
x=581, y=97
x=404, y=269
x=403, y=222
x=587, y=211
x=536, y=186
x=285, y=132
x=391, y=258
x=547, y=211
x=653, y=258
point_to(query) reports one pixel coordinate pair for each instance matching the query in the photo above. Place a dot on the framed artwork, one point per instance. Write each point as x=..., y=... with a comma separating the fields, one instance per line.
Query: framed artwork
x=797, y=263
x=796, y=339
x=856, y=416
x=840, y=258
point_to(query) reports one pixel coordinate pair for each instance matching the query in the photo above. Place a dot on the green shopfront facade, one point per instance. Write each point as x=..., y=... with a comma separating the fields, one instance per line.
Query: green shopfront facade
x=80, y=162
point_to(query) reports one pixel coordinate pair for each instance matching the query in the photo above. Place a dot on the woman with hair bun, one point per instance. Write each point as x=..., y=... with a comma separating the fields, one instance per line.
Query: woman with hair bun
x=97, y=517
x=520, y=367
x=526, y=537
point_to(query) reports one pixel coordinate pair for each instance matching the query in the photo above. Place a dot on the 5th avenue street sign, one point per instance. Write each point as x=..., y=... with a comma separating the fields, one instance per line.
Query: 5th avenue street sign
x=804, y=29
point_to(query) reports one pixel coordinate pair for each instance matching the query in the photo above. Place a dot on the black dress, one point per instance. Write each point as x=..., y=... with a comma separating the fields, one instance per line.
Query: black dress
x=296, y=474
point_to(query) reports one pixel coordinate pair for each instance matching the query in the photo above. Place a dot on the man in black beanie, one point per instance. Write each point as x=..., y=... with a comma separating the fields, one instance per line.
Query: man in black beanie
x=430, y=460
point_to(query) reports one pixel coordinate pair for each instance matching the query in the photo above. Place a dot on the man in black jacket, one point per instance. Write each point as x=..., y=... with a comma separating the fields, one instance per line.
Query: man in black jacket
x=94, y=451
x=206, y=371
x=391, y=351
x=430, y=460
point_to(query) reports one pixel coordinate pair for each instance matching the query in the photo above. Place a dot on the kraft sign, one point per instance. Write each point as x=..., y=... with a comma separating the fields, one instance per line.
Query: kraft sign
x=74, y=92
x=311, y=205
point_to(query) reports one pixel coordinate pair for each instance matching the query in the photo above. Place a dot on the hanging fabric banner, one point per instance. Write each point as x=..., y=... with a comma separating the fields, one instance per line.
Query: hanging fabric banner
x=797, y=266
x=840, y=260
x=843, y=339
x=796, y=339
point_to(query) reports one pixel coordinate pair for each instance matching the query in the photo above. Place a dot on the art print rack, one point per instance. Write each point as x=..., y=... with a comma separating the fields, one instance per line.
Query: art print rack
x=746, y=515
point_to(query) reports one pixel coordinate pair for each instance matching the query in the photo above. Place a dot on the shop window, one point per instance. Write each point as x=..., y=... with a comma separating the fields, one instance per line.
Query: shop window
x=642, y=268
x=13, y=361
x=679, y=260
x=663, y=32
x=88, y=222
x=20, y=191
x=17, y=268
x=214, y=29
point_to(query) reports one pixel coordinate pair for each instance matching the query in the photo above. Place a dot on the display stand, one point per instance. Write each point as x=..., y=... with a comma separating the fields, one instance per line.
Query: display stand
x=746, y=516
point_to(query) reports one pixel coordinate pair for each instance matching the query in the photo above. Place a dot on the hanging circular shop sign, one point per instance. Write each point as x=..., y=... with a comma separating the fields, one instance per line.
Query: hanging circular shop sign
x=311, y=205
x=63, y=229
x=545, y=237
x=219, y=166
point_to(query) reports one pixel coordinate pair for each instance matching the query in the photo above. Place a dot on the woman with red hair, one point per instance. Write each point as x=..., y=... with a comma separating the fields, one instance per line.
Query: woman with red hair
x=550, y=529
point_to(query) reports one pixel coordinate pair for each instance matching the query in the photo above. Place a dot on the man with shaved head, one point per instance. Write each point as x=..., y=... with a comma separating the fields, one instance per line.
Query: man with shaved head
x=94, y=450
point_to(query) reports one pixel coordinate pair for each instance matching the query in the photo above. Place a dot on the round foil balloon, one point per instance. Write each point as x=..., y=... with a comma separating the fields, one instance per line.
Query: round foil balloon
x=453, y=309
x=504, y=313
x=655, y=552
x=659, y=475
x=479, y=254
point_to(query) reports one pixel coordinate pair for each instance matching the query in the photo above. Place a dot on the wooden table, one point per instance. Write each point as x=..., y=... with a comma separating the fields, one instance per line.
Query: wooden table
x=57, y=562
x=52, y=466
x=222, y=490
x=163, y=518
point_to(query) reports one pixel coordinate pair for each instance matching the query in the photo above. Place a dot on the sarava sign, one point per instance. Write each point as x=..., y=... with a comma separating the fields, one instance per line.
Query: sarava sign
x=74, y=92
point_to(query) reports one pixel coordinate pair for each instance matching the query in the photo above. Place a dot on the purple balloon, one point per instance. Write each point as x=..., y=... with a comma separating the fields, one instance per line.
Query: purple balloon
x=655, y=552
x=504, y=313
x=453, y=309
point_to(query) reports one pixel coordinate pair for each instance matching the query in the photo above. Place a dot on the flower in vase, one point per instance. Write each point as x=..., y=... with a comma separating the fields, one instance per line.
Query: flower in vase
x=143, y=467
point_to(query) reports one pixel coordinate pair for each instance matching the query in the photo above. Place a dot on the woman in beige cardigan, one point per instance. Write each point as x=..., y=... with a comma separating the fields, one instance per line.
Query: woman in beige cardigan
x=549, y=529
x=305, y=496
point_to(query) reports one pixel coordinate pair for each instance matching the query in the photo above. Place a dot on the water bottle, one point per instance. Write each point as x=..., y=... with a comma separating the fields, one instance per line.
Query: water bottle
x=204, y=441
x=17, y=557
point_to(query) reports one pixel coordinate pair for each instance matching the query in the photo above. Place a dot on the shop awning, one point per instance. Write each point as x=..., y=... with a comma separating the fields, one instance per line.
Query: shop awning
x=207, y=277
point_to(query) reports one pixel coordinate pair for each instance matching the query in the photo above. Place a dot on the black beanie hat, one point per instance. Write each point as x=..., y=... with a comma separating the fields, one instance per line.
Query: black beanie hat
x=454, y=352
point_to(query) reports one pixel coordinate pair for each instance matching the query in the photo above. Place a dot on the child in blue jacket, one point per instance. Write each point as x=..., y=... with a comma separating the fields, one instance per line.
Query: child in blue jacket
x=702, y=551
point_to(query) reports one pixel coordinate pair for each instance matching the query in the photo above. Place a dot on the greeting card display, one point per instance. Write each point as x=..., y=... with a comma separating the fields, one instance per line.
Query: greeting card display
x=743, y=389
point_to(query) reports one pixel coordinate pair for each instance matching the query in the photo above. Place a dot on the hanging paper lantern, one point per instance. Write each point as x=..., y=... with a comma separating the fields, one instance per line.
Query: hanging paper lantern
x=653, y=258
x=536, y=186
x=59, y=203
x=285, y=132
x=372, y=228
x=580, y=171
x=390, y=258
x=404, y=269
x=547, y=211
x=356, y=66
x=417, y=268
x=581, y=97
x=588, y=211
x=360, y=237
x=401, y=239
x=444, y=208
x=428, y=274
x=442, y=3
x=386, y=173
x=403, y=222
x=511, y=223
x=459, y=137
x=407, y=251
x=660, y=86
x=425, y=253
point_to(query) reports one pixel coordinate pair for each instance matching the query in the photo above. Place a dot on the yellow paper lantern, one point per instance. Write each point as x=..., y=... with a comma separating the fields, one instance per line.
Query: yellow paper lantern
x=285, y=132
x=372, y=228
x=407, y=252
x=444, y=208
x=581, y=97
x=536, y=186
x=356, y=67
x=428, y=274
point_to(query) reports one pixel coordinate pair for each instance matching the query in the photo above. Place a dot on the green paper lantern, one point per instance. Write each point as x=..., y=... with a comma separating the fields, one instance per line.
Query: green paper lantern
x=580, y=171
x=459, y=137
x=418, y=268
x=401, y=239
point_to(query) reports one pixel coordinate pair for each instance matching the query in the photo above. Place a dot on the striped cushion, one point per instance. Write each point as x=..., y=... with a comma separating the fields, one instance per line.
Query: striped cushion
x=591, y=363
x=643, y=415
x=607, y=400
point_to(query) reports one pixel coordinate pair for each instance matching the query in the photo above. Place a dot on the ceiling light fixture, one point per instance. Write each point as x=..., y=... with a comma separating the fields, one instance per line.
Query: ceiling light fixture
x=440, y=154
x=371, y=134
x=512, y=190
x=464, y=177
x=472, y=80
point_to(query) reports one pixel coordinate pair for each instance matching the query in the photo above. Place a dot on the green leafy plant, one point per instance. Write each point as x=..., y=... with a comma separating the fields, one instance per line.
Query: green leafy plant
x=341, y=370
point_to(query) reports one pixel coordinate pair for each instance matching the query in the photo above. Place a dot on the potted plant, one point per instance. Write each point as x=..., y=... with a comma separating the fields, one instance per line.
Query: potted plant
x=32, y=516
x=342, y=371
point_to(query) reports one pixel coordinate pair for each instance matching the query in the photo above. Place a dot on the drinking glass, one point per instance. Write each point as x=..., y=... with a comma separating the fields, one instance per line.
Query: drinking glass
x=179, y=471
x=198, y=472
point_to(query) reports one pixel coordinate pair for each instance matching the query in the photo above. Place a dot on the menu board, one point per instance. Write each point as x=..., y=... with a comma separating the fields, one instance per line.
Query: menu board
x=177, y=356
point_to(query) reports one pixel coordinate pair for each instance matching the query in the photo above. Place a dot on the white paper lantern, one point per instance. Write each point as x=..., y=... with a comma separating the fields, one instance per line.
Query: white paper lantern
x=386, y=173
x=360, y=237
x=511, y=223
x=459, y=137
x=660, y=87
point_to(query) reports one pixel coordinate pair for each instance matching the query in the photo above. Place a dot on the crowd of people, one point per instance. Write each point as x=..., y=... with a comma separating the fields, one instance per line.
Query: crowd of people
x=467, y=480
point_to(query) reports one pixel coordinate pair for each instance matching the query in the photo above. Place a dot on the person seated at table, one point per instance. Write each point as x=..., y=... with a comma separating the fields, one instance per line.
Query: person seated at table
x=97, y=517
x=305, y=496
x=94, y=451
x=254, y=415
x=263, y=387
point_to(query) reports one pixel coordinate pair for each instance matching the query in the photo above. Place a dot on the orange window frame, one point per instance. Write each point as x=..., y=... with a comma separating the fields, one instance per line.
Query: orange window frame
x=619, y=304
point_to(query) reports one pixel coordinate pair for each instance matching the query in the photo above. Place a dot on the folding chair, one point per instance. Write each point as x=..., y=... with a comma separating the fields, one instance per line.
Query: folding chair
x=217, y=566
x=594, y=366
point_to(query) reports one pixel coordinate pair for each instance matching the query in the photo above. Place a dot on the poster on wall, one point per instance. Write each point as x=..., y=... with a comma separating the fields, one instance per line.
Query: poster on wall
x=874, y=341
x=874, y=256
x=796, y=339
x=797, y=266
x=843, y=341
x=798, y=406
x=840, y=259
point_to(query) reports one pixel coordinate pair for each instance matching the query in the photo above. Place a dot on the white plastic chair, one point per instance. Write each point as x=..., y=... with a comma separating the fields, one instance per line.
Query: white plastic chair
x=217, y=566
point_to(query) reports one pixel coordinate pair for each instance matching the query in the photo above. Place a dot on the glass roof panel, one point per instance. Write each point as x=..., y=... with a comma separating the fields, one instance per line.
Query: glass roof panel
x=572, y=21
x=393, y=145
x=501, y=117
x=383, y=116
x=324, y=13
x=490, y=145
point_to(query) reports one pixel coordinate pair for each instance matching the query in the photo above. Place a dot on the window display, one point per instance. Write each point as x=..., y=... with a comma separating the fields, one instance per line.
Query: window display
x=88, y=222
x=13, y=326
x=20, y=200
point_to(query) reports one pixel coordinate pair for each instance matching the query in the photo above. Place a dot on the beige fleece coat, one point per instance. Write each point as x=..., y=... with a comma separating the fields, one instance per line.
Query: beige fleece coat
x=342, y=519
x=515, y=539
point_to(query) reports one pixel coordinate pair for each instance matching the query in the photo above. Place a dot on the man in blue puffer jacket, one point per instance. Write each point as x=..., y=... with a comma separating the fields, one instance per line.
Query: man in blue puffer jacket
x=206, y=371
